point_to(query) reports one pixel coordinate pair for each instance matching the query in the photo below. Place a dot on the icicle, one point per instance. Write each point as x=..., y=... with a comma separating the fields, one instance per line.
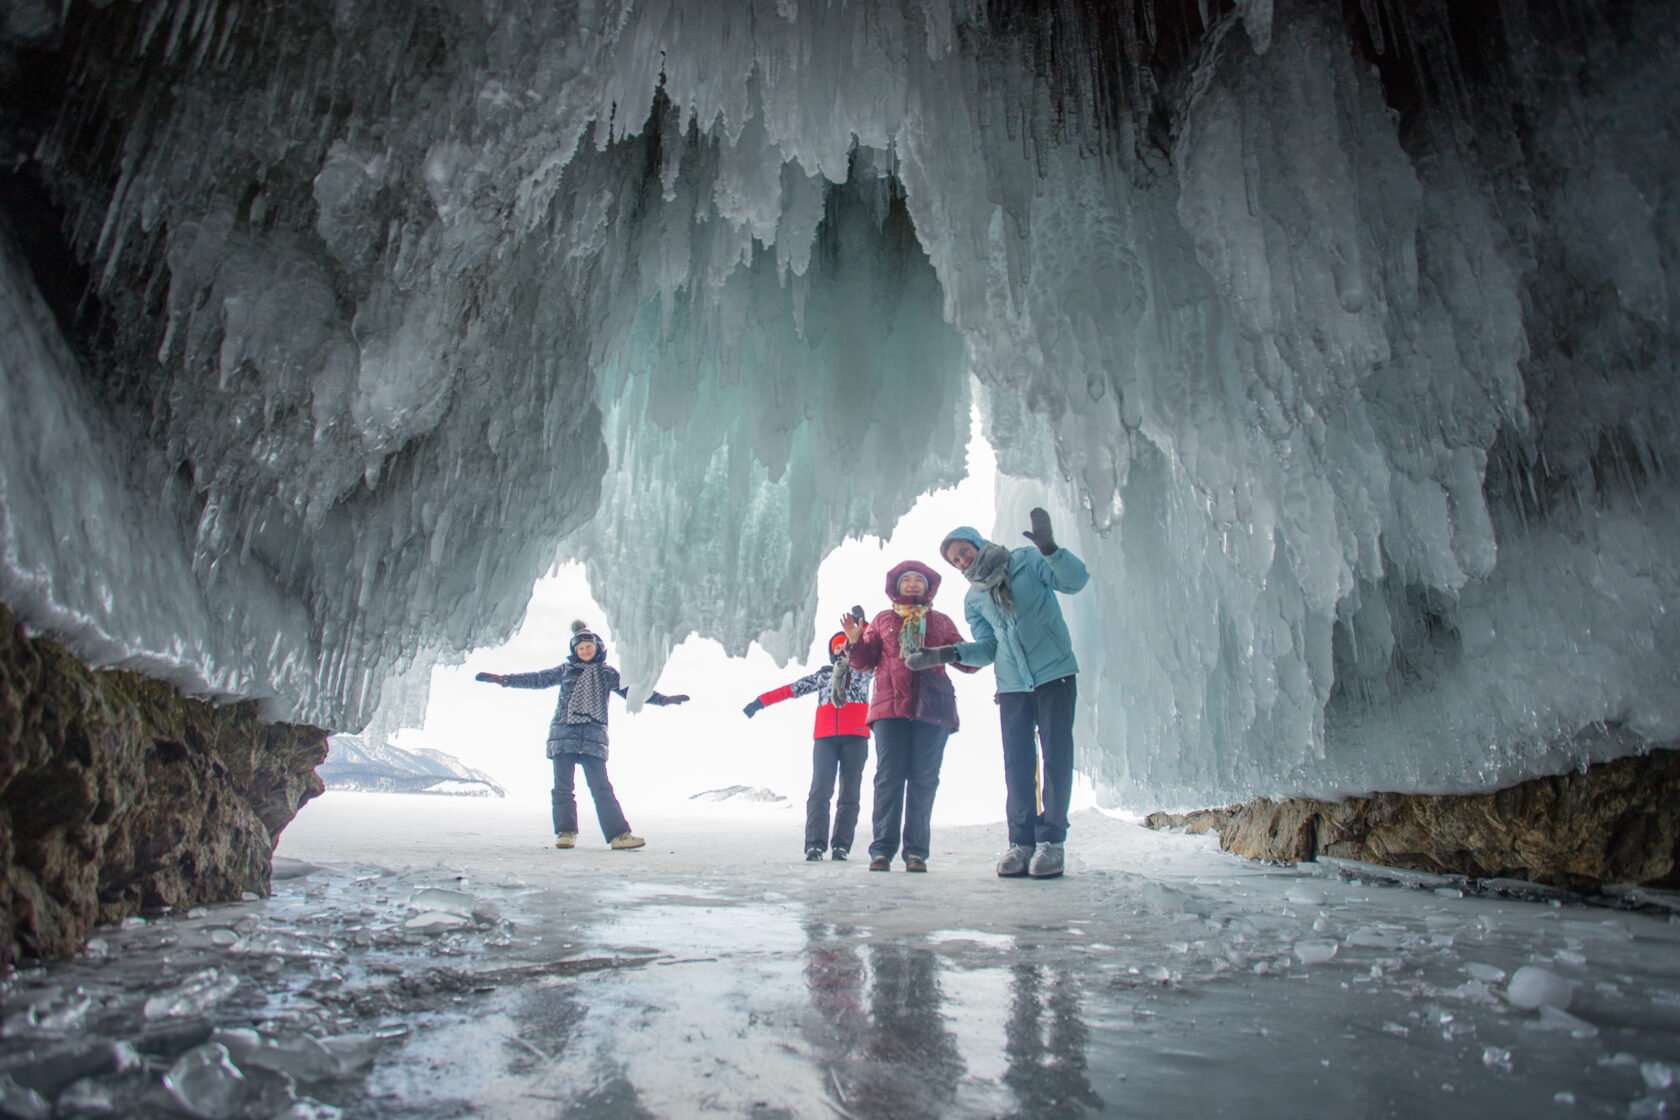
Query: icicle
x=153, y=20
x=206, y=37
x=1257, y=21
x=176, y=27
x=1373, y=23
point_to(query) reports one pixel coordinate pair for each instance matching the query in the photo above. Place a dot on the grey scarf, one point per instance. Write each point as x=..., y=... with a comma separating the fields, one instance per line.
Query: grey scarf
x=586, y=700
x=990, y=573
x=840, y=679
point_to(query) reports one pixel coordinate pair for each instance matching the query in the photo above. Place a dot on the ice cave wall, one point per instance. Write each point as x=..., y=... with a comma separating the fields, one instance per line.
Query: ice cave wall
x=1340, y=336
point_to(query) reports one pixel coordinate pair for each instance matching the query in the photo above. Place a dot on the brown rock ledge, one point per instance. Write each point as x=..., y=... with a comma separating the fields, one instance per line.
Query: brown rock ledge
x=1618, y=822
x=118, y=794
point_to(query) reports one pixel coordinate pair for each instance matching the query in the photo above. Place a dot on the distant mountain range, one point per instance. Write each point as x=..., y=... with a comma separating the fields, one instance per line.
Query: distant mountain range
x=357, y=765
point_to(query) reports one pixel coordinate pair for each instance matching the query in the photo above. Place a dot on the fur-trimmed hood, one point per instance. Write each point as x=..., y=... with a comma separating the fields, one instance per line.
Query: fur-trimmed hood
x=926, y=572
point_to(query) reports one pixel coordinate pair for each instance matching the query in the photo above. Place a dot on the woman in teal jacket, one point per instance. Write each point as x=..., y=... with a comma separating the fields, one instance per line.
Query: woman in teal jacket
x=1017, y=623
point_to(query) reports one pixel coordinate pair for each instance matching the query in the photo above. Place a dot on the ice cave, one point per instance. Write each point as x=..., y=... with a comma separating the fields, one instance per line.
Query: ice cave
x=1339, y=338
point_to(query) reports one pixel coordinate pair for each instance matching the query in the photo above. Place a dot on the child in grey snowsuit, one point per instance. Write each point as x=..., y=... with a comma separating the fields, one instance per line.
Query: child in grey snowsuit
x=577, y=735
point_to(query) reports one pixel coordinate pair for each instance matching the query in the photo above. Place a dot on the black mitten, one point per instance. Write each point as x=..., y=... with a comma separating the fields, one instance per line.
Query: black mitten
x=1040, y=534
x=754, y=708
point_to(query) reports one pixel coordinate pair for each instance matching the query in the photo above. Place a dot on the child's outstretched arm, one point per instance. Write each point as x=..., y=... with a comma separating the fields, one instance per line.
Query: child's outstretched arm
x=657, y=699
x=809, y=683
x=547, y=678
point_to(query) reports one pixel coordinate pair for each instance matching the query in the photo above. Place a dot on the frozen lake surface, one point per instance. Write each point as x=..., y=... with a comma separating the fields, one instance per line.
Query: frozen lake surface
x=436, y=957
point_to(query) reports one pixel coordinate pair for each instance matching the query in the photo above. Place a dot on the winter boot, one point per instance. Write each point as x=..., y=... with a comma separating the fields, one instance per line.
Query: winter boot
x=624, y=840
x=1046, y=861
x=840, y=854
x=1013, y=865
x=880, y=863
x=812, y=855
x=915, y=863
x=565, y=839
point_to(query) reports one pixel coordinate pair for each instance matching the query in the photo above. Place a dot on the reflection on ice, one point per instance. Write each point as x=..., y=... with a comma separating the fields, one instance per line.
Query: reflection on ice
x=1141, y=983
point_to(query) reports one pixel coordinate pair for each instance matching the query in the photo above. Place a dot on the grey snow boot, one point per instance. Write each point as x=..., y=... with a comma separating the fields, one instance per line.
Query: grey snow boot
x=1013, y=865
x=1046, y=861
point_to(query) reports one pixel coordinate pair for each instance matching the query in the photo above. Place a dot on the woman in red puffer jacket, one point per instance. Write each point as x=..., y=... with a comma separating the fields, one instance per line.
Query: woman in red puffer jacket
x=912, y=713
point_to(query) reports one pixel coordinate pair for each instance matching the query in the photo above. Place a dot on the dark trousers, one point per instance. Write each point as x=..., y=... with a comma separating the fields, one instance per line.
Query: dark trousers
x=908, y=754
x=843, y=754
x=1049, y=709
x=606, y=803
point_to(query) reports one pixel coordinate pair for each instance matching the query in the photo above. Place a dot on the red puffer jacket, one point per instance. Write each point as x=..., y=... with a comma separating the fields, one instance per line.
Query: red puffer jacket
x=900, y=692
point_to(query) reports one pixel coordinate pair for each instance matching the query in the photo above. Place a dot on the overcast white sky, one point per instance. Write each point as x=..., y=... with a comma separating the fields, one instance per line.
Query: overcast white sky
x=662, y=756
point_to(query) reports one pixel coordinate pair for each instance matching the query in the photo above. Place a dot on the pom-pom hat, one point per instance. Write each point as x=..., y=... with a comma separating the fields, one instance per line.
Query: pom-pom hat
x=582, y=633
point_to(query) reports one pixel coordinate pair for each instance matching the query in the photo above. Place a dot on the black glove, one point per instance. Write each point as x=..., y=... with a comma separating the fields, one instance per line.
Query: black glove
x=667, y=701
x=929, y=656
x=754, y=708
x=1041, y=535
x=493, y=678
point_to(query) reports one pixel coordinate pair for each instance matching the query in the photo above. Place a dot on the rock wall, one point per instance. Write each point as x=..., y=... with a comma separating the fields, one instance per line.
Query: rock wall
x=1617, y=822
x=117, y=794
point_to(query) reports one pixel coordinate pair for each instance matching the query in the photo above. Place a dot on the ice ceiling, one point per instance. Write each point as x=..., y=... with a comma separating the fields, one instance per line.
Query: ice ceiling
x=1341, y=336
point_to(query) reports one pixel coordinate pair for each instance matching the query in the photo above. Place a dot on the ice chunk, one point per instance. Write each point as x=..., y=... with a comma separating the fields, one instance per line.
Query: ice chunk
x=49, y=1016
x=1497, y=1057
x=21, y=1103
x=50, y=1071
x=353, y=1051
x=443, y=901
x=299, y=1055
x=1553, y=1018
x=436, y=922
x=206, y=1083
x=194, y=996
x=1657, y=1075
x=1369, y=937
x=1485, y=972
x=1314, y=951
x=1532, y=987
x=279, y=943
x=85, y=1098
x=310, y=1109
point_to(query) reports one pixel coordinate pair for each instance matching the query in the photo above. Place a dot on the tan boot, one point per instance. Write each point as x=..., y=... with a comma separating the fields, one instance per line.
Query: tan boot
x=624, y=840
x=565, y=839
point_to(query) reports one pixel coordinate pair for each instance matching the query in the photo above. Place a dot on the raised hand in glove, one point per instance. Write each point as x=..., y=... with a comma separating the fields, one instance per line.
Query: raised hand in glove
x=929, y=656
x=1040, y=534
x=754, y=708
x=493, y=678
x=679, y=698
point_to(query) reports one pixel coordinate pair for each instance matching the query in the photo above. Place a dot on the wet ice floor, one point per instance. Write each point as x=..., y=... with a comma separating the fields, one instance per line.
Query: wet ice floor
x=440, y=964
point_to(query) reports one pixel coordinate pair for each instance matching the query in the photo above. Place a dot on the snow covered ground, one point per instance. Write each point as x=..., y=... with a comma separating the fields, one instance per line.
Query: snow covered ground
x=435, y=957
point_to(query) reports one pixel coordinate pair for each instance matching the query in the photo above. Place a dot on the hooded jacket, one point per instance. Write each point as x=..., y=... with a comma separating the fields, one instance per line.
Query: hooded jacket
x=1029, y=645
x=586, y=738
x=900, y=692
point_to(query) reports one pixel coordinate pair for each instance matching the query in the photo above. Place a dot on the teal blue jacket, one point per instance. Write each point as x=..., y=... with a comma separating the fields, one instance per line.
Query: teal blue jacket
x=1030, y=646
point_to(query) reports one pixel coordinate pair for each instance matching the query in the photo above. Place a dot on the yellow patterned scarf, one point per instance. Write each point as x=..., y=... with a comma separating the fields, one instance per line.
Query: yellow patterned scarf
x=914, y=628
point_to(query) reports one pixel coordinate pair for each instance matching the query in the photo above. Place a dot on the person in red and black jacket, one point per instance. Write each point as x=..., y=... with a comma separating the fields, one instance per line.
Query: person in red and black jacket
x=840, y=743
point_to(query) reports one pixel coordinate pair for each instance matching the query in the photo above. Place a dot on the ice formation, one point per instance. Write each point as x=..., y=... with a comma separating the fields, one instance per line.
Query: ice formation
x=1340, y=337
